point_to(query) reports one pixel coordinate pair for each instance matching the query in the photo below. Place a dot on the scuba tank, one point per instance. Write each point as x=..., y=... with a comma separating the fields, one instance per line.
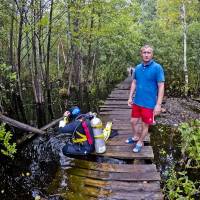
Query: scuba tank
x=100, y=146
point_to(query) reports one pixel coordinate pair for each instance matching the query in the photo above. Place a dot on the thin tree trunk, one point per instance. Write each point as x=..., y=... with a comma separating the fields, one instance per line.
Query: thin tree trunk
x=58, y=62
x=36, y=76
x=48, y=62
x=18, y=96
x=185, y=68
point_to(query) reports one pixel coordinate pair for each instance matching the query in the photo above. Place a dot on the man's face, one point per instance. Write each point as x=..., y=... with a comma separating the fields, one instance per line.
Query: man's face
x=147, y=55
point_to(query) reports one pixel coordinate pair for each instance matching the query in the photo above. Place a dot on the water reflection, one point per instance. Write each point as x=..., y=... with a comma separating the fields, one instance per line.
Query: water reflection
x=41, y=170
x=166, y=141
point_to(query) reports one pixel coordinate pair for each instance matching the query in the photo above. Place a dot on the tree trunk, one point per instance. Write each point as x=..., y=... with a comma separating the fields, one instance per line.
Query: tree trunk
x=36, y=75
x=185, y=68
x=18, y=95
x=20, y=125
x=48, y=62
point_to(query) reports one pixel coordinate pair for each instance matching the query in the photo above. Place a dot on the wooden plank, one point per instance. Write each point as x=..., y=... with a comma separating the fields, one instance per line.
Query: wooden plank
x=122, y=176
x=126, y=152
x=118, y=97
x=118, y=90
x=108, y=167
x=133, y=196
x=124, y=86
x=120, y=141
x=115, y=189
x=114, y=109
x=123, y=186
x=114, y=106
x=122, y=126
x=119, y=93
x=115, y=117
x=117, y=112
x=115, y=102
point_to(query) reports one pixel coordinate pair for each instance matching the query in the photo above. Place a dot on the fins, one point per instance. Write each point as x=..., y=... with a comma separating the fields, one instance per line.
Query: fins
x=107, y=130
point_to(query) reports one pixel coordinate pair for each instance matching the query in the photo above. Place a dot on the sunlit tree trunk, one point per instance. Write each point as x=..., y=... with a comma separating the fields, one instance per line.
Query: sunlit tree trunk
x=185, y=68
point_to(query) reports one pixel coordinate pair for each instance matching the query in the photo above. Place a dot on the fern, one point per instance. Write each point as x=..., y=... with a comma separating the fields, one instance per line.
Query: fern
x=6, y=147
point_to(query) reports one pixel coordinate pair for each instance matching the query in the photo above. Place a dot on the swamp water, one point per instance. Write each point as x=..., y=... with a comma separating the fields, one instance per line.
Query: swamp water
x=40, y=169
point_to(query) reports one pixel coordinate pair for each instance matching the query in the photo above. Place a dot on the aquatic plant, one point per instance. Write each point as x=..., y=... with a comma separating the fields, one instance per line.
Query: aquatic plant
x=179, y=187
x=7, y=148
x=190, y=143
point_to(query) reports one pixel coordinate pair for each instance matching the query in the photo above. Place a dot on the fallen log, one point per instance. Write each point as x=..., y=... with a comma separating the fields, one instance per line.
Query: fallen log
x=31, y=130
x=21, y=125
x=31, y=135
x=51, y=124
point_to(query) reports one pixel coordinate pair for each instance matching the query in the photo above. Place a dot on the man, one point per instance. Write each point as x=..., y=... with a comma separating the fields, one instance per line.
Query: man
x=148, y=86
x=82, y=141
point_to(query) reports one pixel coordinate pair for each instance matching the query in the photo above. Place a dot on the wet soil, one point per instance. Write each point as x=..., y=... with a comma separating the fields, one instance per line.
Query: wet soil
x=176, y=111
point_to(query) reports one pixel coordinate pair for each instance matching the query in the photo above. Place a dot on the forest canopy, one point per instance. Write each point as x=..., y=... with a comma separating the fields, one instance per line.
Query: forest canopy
x=54, y=52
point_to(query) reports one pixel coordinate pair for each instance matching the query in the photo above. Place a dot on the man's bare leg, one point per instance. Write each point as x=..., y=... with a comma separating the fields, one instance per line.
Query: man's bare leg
x=145, y=128
x=136, y=127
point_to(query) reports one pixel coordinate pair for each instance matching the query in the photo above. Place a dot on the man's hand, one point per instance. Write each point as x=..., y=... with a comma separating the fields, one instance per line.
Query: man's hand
x=130, y=102
x=157, y=109
x=67, y=114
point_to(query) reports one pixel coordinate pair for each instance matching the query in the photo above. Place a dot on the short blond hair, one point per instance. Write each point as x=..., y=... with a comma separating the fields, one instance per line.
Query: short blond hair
x=145, y=47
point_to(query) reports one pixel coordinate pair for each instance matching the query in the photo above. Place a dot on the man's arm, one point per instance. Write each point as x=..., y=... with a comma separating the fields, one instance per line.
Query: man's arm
x=161, y=89
x=132, y=90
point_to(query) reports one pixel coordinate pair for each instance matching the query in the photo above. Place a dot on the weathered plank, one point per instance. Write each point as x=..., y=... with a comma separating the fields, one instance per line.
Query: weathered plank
x=118, y=97
x=114, y=189
x=122, y=185
x=115, y=118
x=115, y=102
x=122, y=176
x=115, y=106
x=126, y=152
x=108, y=167
x=79, y=183
x=120, y=141
x=117, y=112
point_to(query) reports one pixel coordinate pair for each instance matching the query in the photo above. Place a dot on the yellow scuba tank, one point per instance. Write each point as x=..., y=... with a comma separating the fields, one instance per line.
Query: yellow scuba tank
x=100, y=146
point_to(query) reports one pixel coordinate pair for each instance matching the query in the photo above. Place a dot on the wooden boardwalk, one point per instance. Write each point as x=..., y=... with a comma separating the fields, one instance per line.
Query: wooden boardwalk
x=118, y=173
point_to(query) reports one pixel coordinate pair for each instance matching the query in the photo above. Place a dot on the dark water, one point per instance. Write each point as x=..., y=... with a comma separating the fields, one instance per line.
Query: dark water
x=39, y=169
x=166, y=143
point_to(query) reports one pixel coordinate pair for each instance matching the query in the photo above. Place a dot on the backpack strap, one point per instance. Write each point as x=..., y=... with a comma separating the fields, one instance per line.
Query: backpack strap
x=87, y=132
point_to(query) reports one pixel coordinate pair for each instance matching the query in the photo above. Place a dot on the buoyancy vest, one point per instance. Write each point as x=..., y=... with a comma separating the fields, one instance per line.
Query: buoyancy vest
x=81, y=130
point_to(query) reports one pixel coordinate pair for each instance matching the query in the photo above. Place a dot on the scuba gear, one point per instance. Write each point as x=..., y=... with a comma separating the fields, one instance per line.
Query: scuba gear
x=107, y=130
x=82, y=141
x=96, y=124
x=63, y=122
x=66, y=120
x=77, y=148
x=74, y=112
x=87, y=133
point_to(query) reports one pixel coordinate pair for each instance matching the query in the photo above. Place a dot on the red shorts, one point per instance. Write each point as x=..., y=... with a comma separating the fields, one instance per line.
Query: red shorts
x=146, y=114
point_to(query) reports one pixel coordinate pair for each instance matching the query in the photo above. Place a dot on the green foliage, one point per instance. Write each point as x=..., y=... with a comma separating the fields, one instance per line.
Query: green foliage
x=7, y=83
x=179, y=187
x=6, y=147
x=190, y=134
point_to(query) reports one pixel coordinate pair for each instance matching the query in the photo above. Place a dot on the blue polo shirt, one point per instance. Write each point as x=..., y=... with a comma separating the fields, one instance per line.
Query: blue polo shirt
x=147, y=78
